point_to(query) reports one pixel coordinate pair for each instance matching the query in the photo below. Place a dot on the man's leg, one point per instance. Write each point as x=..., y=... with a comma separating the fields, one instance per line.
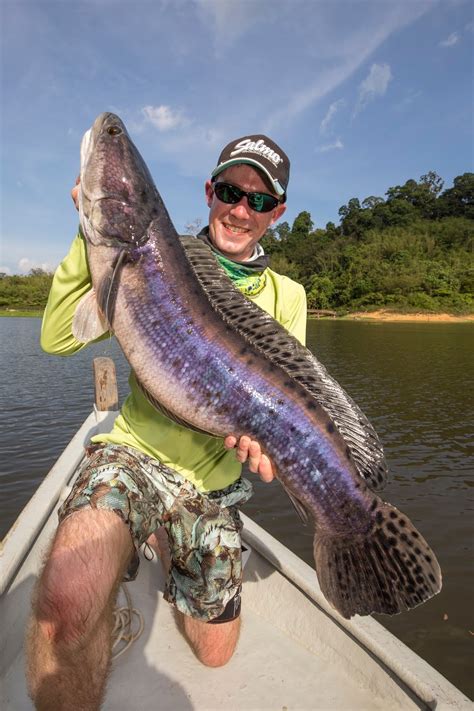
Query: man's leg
x=69, y=636
x=213, y=645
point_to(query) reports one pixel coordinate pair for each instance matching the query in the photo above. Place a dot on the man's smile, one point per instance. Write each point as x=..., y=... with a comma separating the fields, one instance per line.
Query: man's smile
x=235, y=228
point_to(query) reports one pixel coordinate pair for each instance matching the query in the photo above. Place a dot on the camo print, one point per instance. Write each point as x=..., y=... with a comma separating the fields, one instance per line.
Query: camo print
x=203, y=529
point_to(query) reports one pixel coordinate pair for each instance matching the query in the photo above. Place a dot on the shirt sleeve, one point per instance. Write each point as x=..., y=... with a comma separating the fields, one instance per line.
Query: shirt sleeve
x=71, y=282
x=296, y=313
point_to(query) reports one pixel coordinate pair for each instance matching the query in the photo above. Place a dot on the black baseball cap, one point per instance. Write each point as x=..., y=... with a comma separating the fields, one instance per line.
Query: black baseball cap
x=261, y=152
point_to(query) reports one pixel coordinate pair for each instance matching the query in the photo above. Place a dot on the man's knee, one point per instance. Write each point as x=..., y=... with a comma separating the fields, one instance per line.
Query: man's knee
x=81, y=575
x=213, y=645
x=65, y=616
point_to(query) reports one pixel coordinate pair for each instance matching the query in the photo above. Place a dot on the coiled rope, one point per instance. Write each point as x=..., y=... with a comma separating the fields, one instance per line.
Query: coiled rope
x=123, y=632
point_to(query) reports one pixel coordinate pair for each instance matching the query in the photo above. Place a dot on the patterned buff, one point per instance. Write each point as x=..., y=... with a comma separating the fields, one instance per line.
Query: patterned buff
x=246, y=279
x=249, y=277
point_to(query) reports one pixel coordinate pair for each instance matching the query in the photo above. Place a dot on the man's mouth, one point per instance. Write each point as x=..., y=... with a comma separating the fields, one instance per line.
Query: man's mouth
x=235, y=228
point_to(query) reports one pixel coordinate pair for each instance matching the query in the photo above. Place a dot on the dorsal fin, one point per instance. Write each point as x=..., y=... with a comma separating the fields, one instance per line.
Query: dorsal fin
x=272, y=339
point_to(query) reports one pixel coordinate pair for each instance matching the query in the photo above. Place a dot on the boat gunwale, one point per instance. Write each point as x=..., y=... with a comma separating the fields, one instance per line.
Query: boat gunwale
x=18, y=541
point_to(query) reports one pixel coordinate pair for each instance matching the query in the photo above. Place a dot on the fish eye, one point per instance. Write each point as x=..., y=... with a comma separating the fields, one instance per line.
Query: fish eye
x=114, y=131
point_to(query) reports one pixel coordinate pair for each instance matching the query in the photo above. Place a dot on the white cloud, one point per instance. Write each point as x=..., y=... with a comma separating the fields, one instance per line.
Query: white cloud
x=229, y=21
x=25, y=265
x=5, y=270
x=410, y=98
x=335, y=106
x=450, y=41
x=337, y=145
x=343, y=51
x=375, y=84
x=164, y=118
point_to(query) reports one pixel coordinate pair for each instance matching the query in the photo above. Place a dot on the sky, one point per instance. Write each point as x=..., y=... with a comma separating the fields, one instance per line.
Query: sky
x=361, y=94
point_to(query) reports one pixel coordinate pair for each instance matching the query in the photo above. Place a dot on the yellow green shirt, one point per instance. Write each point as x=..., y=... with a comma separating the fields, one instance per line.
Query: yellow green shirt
x=200, y=458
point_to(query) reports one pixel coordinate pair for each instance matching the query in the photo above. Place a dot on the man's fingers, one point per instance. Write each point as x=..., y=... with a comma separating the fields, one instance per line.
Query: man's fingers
x=230, y=442
x=265, y=469
x=249, y=450
x=255, y=454
x=243, y=449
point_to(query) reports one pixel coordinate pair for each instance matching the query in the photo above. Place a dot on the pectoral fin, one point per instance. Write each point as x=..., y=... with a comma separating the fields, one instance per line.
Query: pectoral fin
x=298, y=506
x=88, y=323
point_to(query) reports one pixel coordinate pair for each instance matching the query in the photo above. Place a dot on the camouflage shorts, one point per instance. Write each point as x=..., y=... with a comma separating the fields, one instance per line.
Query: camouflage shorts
x=203, y=529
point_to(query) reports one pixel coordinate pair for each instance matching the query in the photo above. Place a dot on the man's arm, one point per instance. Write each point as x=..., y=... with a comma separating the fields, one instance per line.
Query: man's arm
x=296, y=316
x=71, y=281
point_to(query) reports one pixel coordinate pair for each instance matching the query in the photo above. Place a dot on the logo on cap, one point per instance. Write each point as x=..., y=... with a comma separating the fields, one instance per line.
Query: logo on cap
x=248, y=146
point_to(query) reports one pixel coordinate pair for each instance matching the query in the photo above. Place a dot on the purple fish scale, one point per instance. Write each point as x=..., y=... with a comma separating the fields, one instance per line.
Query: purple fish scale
x=217, y=391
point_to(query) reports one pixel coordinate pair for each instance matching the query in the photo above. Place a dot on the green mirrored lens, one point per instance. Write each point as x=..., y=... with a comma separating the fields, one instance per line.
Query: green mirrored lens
x=231, y=194
x=257, y=201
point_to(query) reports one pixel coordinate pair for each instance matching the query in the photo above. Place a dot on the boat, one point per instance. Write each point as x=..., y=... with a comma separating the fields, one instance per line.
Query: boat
x=295, y=651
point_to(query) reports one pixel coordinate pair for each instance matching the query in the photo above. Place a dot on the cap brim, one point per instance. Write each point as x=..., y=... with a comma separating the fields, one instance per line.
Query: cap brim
x=237, y=161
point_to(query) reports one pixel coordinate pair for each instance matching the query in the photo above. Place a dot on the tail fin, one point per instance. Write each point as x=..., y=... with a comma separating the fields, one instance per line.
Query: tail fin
x=388, y=570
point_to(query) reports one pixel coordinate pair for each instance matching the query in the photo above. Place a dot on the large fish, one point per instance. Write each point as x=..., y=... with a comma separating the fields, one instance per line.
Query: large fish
x=212, y=360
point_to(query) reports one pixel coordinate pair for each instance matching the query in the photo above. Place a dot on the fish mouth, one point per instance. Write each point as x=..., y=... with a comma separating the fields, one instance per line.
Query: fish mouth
x=85, y=146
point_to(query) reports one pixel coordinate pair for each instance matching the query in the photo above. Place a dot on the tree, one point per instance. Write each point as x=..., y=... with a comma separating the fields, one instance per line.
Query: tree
x=372, y=201
x=433, y=182
x=422, y=196
x=302, y=226
x=282, y=231
x=458, y=200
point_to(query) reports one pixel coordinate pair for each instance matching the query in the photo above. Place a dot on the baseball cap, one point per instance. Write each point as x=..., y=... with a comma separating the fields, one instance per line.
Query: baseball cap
x=261, y=152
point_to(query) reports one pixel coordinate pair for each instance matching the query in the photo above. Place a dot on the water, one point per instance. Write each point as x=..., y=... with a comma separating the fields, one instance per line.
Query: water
x=414, y=381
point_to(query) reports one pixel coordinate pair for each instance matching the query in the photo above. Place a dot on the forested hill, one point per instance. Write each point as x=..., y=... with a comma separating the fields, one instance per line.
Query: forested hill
x=412, y=250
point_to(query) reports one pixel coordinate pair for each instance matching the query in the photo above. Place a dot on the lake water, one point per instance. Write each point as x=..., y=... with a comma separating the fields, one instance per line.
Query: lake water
x=413, y=380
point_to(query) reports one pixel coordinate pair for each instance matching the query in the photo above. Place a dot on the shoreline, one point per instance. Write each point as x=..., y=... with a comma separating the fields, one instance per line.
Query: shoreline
x=418, y=317
x=378, y=315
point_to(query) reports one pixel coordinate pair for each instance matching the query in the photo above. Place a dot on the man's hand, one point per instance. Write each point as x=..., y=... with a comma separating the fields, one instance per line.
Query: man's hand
x=75, y=192
x=249, y=449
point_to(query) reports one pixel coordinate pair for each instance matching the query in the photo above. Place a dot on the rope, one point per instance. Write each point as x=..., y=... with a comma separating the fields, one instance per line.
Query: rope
x=123, y=632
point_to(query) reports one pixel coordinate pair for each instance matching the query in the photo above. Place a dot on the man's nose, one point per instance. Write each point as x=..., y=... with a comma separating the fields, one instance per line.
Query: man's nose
x=241, y=210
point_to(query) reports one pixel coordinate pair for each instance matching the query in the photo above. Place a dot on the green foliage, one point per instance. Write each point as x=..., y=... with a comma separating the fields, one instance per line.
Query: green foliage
x=412, y=250
x=25, y=292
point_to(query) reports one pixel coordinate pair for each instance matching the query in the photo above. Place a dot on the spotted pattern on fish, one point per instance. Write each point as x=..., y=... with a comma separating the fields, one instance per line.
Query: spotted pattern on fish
x=262, y=331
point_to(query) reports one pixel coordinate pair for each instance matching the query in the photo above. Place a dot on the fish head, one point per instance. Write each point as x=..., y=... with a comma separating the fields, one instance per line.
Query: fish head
x=117, y=198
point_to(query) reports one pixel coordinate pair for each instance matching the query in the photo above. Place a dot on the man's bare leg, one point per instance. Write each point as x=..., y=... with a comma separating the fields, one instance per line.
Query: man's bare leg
x=69, y=636
x=214, y=644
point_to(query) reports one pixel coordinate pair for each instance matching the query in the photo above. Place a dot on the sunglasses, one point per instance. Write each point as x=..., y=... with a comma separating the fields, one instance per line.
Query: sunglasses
x=231, y=195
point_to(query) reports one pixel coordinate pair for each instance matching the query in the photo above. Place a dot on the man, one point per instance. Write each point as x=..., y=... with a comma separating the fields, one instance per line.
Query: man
x=149, y=472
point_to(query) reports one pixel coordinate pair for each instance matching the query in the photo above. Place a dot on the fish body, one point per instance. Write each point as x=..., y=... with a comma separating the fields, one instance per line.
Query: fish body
x=213, y=361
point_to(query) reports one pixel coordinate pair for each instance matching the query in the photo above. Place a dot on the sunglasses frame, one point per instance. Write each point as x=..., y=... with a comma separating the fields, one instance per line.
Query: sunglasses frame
x=249, y=195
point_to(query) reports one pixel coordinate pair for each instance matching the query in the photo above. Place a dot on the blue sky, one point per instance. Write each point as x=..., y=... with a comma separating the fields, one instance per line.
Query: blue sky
x=361, y=94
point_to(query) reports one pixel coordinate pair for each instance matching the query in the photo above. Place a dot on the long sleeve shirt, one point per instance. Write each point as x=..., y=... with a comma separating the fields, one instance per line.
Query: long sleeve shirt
x=200, y=458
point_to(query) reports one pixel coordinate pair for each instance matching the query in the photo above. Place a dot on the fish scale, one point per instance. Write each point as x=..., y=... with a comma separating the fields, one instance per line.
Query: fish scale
x=211, y=360
x=220, y=377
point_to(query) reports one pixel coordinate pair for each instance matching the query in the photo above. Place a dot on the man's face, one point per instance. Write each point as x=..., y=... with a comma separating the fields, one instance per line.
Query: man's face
x=235, y=229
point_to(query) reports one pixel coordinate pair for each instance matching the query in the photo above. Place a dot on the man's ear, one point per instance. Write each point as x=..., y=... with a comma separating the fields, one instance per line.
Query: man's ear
x=277, y=213
x=209, y=190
